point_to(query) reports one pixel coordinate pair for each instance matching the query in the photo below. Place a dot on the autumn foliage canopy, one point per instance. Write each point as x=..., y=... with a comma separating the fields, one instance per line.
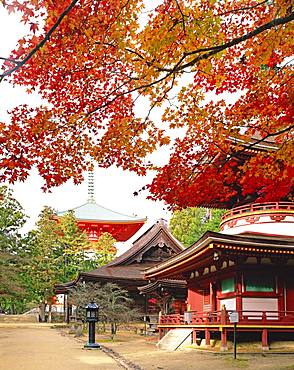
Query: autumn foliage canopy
x=219, y=73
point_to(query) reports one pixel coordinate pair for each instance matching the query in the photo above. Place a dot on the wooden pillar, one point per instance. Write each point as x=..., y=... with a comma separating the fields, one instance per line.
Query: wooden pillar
x=224, y=346
x=194, y=336
x=239, y=293
x=264, y=340
x=160, y=333
x=207, y=337
x=213, y=297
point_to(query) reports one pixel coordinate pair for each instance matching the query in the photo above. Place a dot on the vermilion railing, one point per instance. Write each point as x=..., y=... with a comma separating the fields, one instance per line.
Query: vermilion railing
x=222, y=318
x=258, y=207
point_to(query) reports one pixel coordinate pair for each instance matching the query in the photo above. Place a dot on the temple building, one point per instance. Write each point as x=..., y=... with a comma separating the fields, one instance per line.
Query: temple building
x=156, y=245
x=243, y=274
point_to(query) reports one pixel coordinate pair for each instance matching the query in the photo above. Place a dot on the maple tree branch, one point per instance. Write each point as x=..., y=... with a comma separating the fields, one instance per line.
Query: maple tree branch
x=164, y=96
x=212, y=50
x=41, y=43
x=10, y=60
x=236, y=10
x=182, y=16
x=119, y=14
x=216, y=49
x=252, y=145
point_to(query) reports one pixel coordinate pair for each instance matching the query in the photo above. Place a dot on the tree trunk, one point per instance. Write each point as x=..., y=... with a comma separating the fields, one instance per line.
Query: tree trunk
x=42, y=308
x=113, y=330
x=50, y=313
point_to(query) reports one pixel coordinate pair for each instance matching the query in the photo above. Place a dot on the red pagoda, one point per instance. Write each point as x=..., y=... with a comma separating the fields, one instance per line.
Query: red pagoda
x=95, y=219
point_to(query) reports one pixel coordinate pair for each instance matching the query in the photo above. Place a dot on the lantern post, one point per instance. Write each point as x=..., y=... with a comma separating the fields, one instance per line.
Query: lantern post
x=92, y=316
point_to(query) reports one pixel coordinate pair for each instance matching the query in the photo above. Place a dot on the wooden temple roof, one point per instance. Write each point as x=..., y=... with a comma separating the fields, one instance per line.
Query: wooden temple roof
x=157, y=235
x=155, y=245
x=203, y=251
x=249, y=148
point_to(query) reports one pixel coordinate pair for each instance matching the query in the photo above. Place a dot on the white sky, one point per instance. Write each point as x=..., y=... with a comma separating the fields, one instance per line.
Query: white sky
x=113, y=187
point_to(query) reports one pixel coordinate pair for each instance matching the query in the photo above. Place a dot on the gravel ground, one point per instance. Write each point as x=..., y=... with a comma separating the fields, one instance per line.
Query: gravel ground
x=42, y=348
x=38, y=347
x=143, y=352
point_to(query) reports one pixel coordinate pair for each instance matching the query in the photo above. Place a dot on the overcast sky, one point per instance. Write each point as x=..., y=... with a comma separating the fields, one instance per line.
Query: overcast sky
x=113, y=187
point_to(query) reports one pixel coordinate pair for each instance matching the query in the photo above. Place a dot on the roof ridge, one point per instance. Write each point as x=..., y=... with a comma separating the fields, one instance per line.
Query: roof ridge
x=143, y=240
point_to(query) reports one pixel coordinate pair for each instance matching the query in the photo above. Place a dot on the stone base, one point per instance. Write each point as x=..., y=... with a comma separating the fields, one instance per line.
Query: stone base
x=265, y=348
x=92, y=346
x=224, y=349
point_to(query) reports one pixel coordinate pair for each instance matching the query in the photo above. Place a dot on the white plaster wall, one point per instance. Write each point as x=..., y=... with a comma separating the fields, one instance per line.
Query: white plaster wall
x=230, y=304
x=264, y=225
x=259, y=304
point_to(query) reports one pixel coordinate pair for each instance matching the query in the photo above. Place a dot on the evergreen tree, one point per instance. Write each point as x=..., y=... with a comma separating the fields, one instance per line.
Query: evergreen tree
x=104, y=249
x=189, y=224
x=12, y=218
x=45, y=266
x=74, y=245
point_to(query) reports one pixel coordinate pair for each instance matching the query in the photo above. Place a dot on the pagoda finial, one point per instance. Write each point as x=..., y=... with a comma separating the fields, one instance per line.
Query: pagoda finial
x=91, y=198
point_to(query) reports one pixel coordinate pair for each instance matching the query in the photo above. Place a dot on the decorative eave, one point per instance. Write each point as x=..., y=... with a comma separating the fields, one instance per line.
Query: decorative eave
x=211, y=241
x=104, y=274
x=166, y=283
x=255, y=144
x=95, y=220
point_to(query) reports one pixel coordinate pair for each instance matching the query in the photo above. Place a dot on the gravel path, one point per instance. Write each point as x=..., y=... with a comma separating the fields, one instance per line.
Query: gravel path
x=42, y=348
x=37, y=347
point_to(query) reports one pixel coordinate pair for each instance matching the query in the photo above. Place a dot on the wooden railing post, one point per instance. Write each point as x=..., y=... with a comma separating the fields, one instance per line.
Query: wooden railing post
x=207, y=337
x=159, y=317
x=223, y=315
x=264, y=340
x=263, y=316
x=160, y=333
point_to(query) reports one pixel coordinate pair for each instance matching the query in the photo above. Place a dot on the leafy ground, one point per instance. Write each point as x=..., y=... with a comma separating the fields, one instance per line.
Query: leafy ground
x=142, y=351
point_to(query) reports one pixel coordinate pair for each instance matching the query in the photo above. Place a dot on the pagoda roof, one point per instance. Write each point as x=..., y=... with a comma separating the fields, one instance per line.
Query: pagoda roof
x=212, y=241
x=91, y=211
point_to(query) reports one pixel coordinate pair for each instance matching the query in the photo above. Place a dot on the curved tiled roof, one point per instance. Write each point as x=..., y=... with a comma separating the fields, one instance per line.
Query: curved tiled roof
x=92, y=211
x=210, y=238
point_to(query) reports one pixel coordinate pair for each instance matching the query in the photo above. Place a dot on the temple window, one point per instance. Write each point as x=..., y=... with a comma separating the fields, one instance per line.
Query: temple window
x=228, y=285
x=259, y=283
